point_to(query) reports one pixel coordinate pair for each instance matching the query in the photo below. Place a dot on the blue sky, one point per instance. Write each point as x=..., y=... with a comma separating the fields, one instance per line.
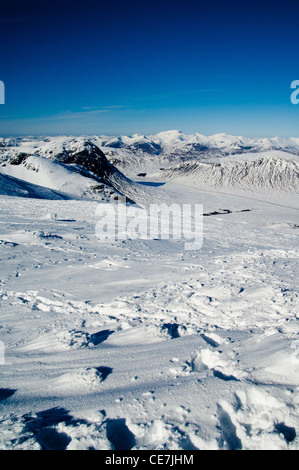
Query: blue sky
x=110, y=67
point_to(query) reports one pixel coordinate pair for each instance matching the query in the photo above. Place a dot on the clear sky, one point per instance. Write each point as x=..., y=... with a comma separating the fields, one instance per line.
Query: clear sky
x=112, y=67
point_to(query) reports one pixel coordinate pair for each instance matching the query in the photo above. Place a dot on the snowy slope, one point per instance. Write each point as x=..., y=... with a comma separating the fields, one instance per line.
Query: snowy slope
x=75, y=166
x=44, y=172
x=10, y=186
x=140, y=344
x=261, y=172
x=72, y=165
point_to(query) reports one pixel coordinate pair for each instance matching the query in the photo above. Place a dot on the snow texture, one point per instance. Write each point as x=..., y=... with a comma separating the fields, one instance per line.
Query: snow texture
x=140, y=344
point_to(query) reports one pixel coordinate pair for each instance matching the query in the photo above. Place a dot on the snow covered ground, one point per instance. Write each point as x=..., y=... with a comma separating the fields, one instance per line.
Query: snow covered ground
x=140, y=344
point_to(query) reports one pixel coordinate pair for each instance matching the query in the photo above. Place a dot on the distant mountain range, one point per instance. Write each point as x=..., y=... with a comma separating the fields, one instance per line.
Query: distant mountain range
x=168, y=142
x=103, y=167
x=171, y=142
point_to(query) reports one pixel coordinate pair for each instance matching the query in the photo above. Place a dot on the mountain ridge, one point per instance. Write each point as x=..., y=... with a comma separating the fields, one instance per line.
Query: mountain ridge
x=94, y=168
x=167, y=142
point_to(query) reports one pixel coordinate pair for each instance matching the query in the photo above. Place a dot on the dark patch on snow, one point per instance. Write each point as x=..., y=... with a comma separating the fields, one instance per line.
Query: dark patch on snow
x=51, y=439
x=120, y=435
x=229, y=430
x=42, y=426
x=100, y=336
x=210, y=341
x=6, y=393
x=219, y=212
x=104, y=371
x=172, y=329
x=5, y=243
x=288, y=433
x=187, y=444
x=220, y=375
x=66, y=220
x=49, y=236
x=46, y=418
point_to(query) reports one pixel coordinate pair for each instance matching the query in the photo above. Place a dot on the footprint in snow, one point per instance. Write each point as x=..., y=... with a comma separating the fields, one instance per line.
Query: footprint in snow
x=229, y=430
x=207, y=360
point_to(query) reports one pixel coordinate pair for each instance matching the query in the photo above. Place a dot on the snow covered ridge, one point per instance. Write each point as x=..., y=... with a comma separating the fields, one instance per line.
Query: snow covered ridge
x=72, y=166
x=167, y=142
x=174, y=141
x=92, y=167
x=263, y=172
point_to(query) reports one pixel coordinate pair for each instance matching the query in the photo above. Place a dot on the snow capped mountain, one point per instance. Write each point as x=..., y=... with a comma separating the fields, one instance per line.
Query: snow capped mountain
x=94, y=166
x=176, y=142
x=135, y=143
x=166, y=142
x=262, y=172
x=72, y=165
x=9, y=142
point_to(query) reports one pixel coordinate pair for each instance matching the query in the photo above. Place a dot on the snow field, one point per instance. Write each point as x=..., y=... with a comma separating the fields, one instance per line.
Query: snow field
x=141, y=344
